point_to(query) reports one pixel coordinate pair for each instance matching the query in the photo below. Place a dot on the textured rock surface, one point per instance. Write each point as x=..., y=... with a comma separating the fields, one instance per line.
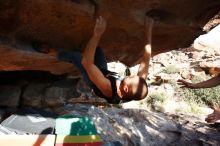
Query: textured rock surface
x=10, y=96
x=13, y=59
x=68, y=24
x=209, y=40
x=135, y=127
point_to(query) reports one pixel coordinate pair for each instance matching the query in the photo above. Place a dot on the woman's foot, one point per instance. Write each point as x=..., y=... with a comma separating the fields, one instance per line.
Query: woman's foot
x=213, y=117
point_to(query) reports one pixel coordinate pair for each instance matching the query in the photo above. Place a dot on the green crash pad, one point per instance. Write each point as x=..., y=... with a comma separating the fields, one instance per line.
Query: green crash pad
x=73, y=125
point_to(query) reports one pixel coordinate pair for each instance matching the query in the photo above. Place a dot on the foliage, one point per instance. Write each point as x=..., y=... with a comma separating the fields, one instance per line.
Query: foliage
x=171, y=69
x=194, y=107
x=209, y=96
x=173, y=83
x=156, y=97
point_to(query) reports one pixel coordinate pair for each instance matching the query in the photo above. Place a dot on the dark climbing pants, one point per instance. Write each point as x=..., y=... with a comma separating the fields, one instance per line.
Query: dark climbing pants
x=76, y=59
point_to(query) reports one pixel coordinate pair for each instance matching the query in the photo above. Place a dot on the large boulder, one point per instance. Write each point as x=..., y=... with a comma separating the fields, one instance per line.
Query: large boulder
x=68, y=24
x=136, y=127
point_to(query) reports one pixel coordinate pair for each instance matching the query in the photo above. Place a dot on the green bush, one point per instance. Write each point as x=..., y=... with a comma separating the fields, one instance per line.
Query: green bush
x=156, y=97
x=173, y=83
x=171, y=69
x=208, y=96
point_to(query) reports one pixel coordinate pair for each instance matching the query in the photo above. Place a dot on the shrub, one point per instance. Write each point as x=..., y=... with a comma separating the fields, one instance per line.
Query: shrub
x=208, y=96
x=156, y=97
x=171, y=69
x=173, y=83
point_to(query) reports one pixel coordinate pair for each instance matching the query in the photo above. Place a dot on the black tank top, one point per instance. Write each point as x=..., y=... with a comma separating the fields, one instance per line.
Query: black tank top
x=112, y=76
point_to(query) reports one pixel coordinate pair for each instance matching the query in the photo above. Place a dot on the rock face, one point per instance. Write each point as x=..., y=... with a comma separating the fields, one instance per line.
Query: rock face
x=209, y=40
x=135, y=127
x=68, y=24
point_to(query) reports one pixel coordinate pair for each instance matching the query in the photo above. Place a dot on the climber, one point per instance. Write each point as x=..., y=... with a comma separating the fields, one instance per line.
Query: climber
x=211, y=118
x=93, y=67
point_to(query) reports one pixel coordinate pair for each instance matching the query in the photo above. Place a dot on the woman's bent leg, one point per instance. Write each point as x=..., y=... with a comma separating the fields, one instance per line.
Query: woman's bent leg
x=75, y=58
